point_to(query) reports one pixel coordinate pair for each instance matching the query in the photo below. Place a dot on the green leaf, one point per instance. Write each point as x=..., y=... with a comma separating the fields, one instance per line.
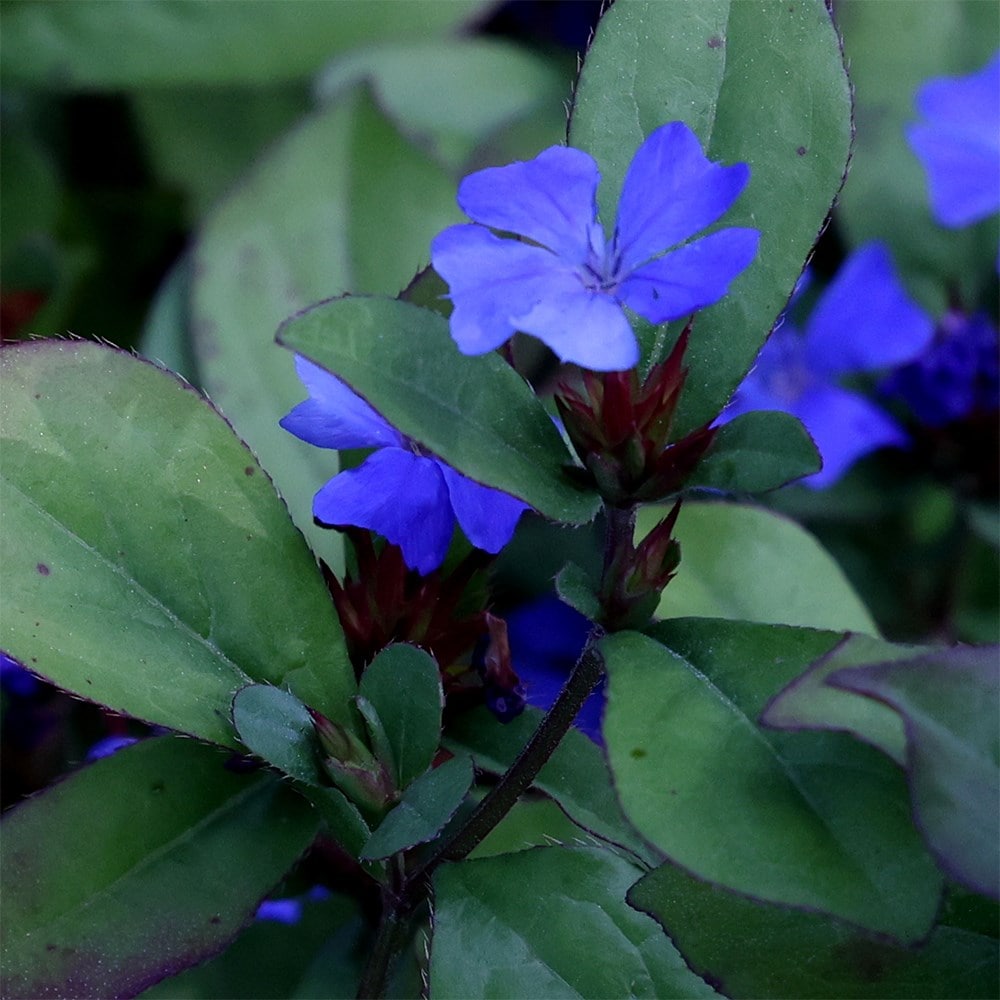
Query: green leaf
x=268, y=960
x=575, y=776
x=452, y=94
x=751, y=949
x=533, y=822
x=708, y=63
x=282, y=241
x=809, y=702
x=274, y=725
x=341, y=817
x=476, y=413
x=757, y=452
x=549, y=922
x=810, y=820
x=89, y=45
x=892, y=49
x=576, y=587
x=427, y=805
x=949, y=701
x=750, y=564
x=131, y=510
x=162, y=831
x=166, y=333
x=403, y=684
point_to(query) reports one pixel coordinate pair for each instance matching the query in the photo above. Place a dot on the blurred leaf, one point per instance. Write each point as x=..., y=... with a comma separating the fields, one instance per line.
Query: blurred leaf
x=281, y=241
x=748, y=563
x=708, y=63
x=452, y=94
x=757, y=452
x=476, y=413
x=575, y=776
x=275, y=726
x=549, y=922
x=267, y=961
x=812, y=820
x=166, y=334
x=165, y=832
x=89, y=44
x=426, y=806
x=752, y=949
x=29, y=188
x=403, y=684
x=949, y=700
x=892, y=48
x=810, y=703
x=131, y=510
x=201, y=139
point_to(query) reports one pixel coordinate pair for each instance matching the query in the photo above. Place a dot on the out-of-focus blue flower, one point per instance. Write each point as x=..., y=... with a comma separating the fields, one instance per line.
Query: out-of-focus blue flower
x=282, y=911
x=959, y=375
x=959, y=144
x=15, y=680
x=108, y=746
x=864, y=321
x=568, y=284
x=400, y=491
x=546, y=639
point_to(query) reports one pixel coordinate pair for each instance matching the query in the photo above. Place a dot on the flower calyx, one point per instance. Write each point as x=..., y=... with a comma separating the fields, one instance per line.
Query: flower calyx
x=621, y=429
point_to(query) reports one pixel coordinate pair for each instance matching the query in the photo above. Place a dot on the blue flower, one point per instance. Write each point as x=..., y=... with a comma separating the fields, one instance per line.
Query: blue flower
x=864, y=321
x=959, y=144
x=546, y=639
x=400, y=491
x=568, y=284
x=957, y=377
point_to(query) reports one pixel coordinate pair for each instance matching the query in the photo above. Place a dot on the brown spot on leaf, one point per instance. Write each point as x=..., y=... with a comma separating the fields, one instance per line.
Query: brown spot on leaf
x=249, y=470
x=801, y=150
x=43, y=569
x=638, y=753
x=715, y=42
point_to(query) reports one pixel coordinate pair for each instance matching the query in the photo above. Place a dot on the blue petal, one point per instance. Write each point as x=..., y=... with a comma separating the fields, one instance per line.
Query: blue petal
x=865, y=320
x=487, y=516
x=401, y=496
x=334, y=416
x=845, y=427
x=671, y=191
x=550, y=199
x=691, y=277
x=959, y=146
x=491, y=281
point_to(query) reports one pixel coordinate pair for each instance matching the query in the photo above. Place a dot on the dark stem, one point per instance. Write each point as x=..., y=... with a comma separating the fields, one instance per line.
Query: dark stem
x=392, y=928
x=532, y=758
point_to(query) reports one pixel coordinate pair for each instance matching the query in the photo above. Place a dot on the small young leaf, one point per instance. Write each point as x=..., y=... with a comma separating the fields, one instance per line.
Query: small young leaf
x=403, y=685
x=274, y=725
x=427, y=805
x=575, y=586
x=756, y=452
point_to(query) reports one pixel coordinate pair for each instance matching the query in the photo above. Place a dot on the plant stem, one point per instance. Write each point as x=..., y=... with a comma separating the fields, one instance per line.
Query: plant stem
x=389, y=938
x=529, y=762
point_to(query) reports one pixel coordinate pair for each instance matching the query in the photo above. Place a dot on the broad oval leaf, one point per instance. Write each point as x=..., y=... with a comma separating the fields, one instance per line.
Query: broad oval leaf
x=748, y=563
x=170, y=857
x=476, y=413
x=812, y=820
x=759, y=82
x=752, y=949
x=148, y=564
x=549, y=922
x=948, y=700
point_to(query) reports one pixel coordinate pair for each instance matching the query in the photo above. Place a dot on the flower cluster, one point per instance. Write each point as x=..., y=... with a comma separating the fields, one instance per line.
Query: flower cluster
x=863, y=322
